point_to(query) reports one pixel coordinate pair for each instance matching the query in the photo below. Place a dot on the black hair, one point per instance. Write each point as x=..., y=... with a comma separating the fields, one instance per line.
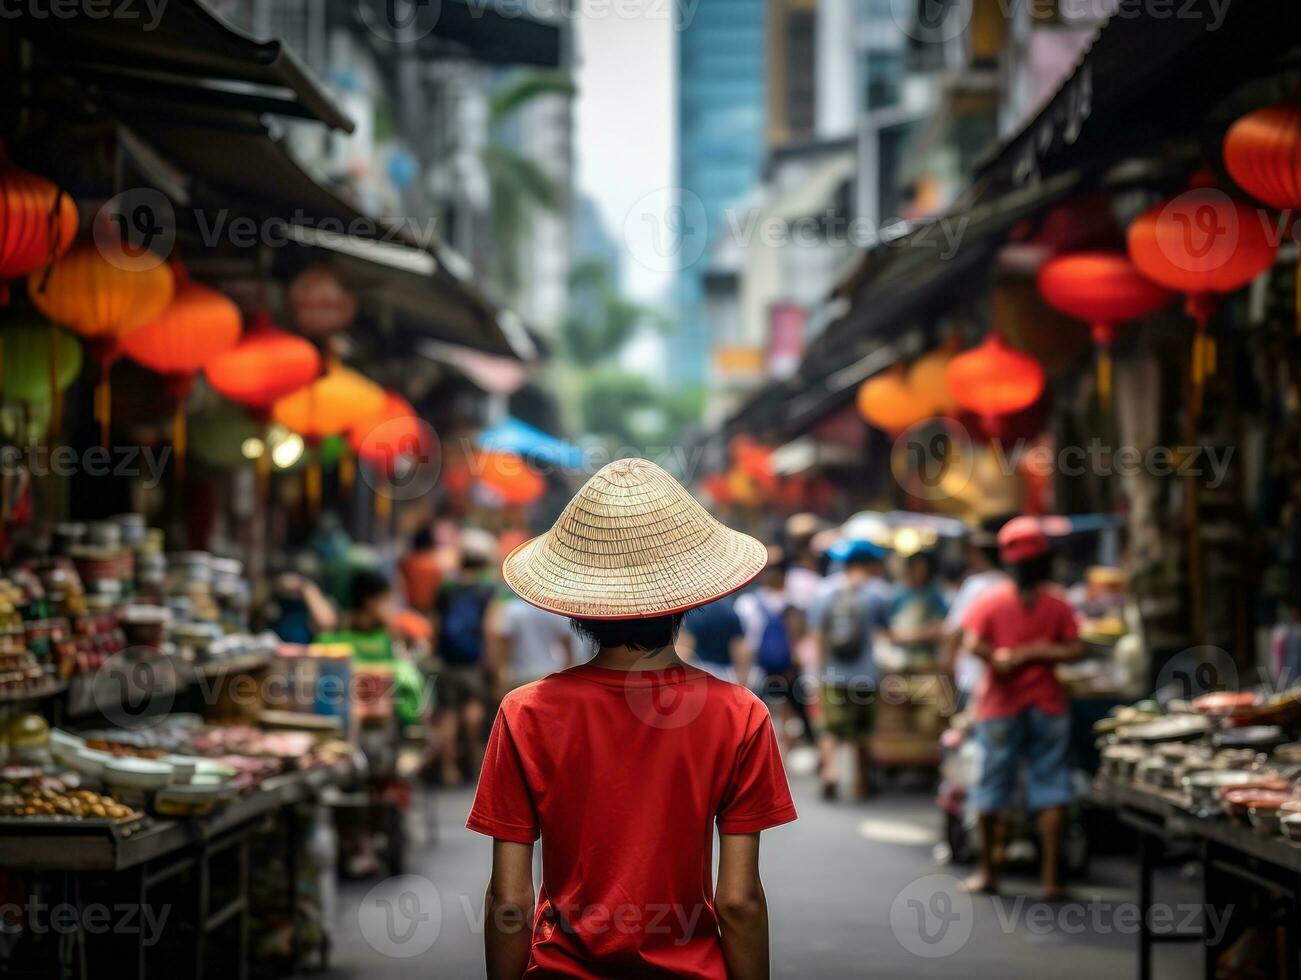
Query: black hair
x=926, y=558
x=1029, y=573
x=636, y=634
x=422, y=540
x=473, y=562
x=366, y=584
x=863, y=559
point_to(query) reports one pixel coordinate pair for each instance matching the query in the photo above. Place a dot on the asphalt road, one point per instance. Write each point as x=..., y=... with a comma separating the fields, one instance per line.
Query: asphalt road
x=853, y=890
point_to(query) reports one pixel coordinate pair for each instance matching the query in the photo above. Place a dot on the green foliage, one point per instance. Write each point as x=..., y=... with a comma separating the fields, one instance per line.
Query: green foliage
x=600, y=321
x=523, y=89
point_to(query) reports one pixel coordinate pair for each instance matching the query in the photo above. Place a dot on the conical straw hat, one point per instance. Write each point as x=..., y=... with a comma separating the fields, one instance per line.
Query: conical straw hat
x=632, y=544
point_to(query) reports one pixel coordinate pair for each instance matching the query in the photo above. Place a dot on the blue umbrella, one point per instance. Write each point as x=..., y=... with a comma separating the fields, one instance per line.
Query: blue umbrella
x=513, y=436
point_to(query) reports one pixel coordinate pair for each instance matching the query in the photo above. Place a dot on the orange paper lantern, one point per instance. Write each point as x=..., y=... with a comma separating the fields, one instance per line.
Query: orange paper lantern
x=395, y=433
x=1104, y=290
x=37, y=222
x=199, y=324
x=993, y=380
x=267, y=364
x=99, y=291
x=926, y=378
x=889, y=402
x=333, y=403
x=103, y=293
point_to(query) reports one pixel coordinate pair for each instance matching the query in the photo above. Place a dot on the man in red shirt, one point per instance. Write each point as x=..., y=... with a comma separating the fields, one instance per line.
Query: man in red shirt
x=624, y=765
x=1022, y=629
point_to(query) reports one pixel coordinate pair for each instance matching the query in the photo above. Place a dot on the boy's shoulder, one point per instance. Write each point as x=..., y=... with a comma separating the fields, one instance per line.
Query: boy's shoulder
x=559, y=689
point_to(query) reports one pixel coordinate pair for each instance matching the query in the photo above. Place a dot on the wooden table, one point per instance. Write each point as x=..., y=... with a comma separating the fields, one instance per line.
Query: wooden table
x=1227, y=853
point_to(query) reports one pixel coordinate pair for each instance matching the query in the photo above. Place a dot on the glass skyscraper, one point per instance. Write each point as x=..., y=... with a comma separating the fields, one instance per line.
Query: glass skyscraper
x=721, y=137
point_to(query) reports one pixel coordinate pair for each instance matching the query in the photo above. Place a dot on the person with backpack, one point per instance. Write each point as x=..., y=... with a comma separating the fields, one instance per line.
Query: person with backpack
x=462, y=617
x=773, y=627
x=844, y=621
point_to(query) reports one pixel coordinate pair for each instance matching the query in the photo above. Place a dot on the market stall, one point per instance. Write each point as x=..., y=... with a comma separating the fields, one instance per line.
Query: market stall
x=1211, y=783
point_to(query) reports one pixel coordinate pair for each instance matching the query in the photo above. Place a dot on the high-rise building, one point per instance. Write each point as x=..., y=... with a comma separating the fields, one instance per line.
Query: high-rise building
x=792, y=71
x=722, y=128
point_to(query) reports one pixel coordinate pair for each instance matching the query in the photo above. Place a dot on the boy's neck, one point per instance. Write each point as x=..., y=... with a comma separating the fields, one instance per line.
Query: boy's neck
x=627, y=658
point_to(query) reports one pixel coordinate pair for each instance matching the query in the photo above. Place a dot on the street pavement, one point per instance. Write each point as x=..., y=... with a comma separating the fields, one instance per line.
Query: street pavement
x=854, y=890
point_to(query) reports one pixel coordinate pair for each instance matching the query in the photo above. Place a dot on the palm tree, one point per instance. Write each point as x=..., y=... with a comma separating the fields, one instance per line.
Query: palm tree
x=518, y=187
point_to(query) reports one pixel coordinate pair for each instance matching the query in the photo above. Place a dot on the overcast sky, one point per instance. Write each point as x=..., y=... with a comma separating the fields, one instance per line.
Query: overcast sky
x=625, y=126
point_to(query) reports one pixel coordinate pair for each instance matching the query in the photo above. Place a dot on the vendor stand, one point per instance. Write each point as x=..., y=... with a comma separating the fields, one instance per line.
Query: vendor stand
x=1208, y=787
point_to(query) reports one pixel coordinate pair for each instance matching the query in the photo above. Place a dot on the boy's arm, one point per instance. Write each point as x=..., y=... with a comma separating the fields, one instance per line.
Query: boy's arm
x=508, y=911
x=741, y=907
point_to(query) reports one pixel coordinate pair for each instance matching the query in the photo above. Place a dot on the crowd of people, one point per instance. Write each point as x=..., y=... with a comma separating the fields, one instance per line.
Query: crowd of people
x=813, y=635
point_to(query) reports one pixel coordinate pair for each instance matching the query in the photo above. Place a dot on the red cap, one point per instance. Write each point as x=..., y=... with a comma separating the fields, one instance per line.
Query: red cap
x=1021, y=539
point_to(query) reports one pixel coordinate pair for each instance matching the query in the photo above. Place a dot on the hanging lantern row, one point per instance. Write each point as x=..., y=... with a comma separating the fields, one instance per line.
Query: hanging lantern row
x=991, y=381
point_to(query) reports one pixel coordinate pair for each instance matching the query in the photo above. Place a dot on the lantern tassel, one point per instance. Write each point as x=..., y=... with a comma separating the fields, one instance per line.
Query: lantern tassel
x=347, y=471
x=179, y=440
x=383, y=507
x=56, y=393
x=103, y=405
x=312, y=480
x=1104, y=378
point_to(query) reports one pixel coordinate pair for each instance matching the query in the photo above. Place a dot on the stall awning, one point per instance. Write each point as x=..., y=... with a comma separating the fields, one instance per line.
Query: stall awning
x=1151, y=74
x=480, y=31
x=179, y=51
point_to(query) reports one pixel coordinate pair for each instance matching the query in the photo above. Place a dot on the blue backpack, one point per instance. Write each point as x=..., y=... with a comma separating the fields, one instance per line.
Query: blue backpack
x=774, y=653
x=462, y=627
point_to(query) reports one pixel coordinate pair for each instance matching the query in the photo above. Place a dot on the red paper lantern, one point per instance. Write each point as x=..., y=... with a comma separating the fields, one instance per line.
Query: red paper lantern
x=1262, y=152
x=37, y=222
x=198, y=324
x=1203, y=244
x=320, y=301
x=267, y=364
x=992, y=380
x=1104, y=290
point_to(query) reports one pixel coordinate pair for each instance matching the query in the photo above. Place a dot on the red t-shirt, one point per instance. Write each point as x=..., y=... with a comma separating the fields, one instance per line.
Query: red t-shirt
x=624, y=774
x=999, y=617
